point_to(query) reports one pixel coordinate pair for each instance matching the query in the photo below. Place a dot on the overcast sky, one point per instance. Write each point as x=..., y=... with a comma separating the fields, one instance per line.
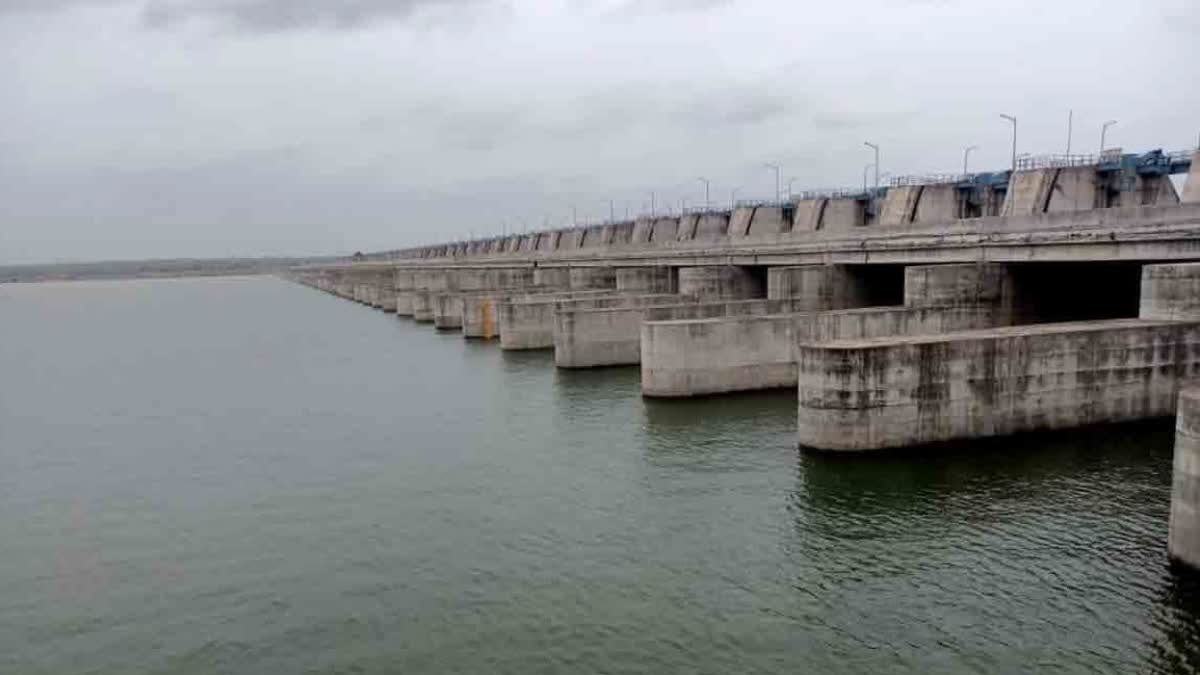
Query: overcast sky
x=155, y=128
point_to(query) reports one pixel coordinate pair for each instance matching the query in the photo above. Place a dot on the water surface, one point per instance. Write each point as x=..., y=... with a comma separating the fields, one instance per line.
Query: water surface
x=248, y=476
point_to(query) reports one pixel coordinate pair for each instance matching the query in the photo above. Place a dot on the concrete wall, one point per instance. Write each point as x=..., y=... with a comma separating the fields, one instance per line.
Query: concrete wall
x=659, y=279
x=1183, y=540
x=529, y=324
x=938, y=204
x=900, y=205
x=546, y=277
x=840, y=215
x=665, y=230
x=871, y=394
x=711, y=227
x=720, y=281
x=961, y=285
x=739, y=221
x=1170, y=292
x=587, y=278
x=1052, y=191
x=816, y=287
x=642, y=227
x=769, y=220
x=807, y=214
x=687, y=227
x=696, y=358
x=404, y=292
x=1191, y=186
x=427, y=283
x=480, y=311
x=587, y=338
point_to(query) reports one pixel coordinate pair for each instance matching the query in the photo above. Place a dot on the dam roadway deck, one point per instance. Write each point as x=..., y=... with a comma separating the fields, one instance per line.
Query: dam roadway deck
x=1139, y=233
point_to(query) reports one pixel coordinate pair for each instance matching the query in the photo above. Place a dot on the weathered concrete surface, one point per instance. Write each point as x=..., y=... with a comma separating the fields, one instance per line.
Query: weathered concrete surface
x=806, y=215
x=588, y=278
x=665, y=230
x=426, y=284
x=588, y=338
x=883, y=393
x=712, y=356
x=658, y=279
x=768, y=220
x=545, y=277
x=900, y=205
x=481, y=311
x=739, y=221
x=1183, y=540
x=817, y=287
x=938, y=204
x=841, y=215
x=979, y=284
x=529, y=324
x=404, y=292
x=711, y=227
x=1170, y=292
x=687, y=226
x=448, y=311
x=720, y=281
x=1191, y=186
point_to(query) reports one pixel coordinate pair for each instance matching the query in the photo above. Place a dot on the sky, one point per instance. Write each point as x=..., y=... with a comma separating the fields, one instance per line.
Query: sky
x=206, y=128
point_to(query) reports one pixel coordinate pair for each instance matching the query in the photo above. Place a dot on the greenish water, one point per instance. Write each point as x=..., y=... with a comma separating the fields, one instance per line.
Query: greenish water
x=248, y=476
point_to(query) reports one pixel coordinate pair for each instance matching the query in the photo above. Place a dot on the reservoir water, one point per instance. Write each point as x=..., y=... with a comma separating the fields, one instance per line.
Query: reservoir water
x=248, y=476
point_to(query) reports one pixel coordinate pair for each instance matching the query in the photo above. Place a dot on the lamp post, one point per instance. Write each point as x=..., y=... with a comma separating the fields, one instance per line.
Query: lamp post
x=775, y=168
x=707, y=185
x=1104, y=133
x=789, y=187
x=733, y=198
x=652, y=204
x=967, y=156
x=1012, y=119
x=866, y=170
x=876, y=149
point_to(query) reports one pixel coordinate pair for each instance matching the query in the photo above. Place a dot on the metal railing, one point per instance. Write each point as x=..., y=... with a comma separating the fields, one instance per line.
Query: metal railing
x=1032, y=162
x=930, y=179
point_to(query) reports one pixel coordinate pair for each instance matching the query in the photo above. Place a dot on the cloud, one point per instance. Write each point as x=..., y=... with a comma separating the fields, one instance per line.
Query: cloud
x=50, y=5
x=283, y=15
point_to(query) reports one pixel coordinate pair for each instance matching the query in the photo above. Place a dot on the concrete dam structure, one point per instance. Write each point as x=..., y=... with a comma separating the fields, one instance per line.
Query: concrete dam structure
x=1060, y=295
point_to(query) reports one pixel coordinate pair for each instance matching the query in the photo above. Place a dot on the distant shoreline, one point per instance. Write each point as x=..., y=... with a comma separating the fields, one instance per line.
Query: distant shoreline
x=149, y=269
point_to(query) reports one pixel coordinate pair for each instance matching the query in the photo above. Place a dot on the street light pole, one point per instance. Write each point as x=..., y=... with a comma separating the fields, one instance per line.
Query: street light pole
x=652, y=204
x=876, y=149
x=1012, y=119
x=733, y=198
x=612, y=212
x=774, y=167
x=1104, y=133
x=789, y=187
x=866, y=170
x=707, y=184
x=967, y=156
x=1070, y=128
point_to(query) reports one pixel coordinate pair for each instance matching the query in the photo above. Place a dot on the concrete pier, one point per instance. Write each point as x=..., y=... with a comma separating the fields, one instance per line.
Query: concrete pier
x=529, y=324
x=721, y=281
x=716, y=356
x=588, y=278
x=589, y=338
x=885, y=393
x=1183, y=539
x=656, y=279
x=481, y=311
x=404, y=284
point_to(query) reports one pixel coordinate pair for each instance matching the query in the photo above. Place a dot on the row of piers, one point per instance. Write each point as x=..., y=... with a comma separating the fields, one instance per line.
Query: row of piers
x=1080, y=307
